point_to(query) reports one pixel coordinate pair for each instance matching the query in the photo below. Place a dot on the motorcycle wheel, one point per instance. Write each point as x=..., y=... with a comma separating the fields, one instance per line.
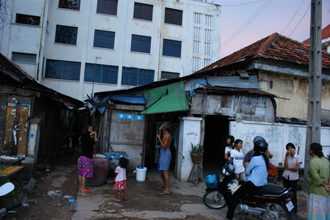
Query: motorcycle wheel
x=277, y=211
x=214, y=199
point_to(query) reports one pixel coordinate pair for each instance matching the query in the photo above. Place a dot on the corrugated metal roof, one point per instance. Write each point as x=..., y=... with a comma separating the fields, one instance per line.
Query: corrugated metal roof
x=224, y=90
x=234, y=82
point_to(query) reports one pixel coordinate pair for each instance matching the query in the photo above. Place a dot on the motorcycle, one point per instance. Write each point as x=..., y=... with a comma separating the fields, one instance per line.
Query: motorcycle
x=267, y=202
x=4, y=190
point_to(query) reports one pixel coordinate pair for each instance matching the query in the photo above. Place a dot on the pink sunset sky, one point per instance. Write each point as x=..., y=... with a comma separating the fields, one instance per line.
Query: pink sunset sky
x=247, y=21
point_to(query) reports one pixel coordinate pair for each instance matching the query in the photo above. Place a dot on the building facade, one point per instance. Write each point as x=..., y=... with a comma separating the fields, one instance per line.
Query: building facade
x=81, y=47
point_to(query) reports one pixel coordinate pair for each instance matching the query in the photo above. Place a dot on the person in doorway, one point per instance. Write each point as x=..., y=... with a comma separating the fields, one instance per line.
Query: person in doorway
x=318, y=184
x=120, y=181
x=237, y=157
x=256, y=172
x=165, y=157
x=230, y=146
x=292, y=163
x=87, y=140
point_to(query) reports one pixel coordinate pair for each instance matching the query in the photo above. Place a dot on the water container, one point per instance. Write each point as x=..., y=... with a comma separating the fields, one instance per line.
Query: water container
x=113, y=158
x=141, y=173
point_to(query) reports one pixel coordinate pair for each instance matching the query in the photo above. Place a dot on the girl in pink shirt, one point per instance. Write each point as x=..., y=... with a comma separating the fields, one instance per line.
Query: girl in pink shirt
x=120, y=182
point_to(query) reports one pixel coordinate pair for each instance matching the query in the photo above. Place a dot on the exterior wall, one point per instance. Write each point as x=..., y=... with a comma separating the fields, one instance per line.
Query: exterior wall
x=243, y=107
x=277, y=135
x=190, y=132
x=26, y=39
x=295, y=91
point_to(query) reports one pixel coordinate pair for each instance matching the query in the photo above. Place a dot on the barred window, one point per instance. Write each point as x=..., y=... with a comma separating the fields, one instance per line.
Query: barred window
x=27, y=19
x=107, y=7
x=66, y=35
x=143, y=11
x=208, y=48
x=101, y=73
x=172, y=48
x=173, y=16
x=104, y=39
x=207, y=62
x=197, y=18
x=137, y=77
x=196, y=63
x=140, y=43
x=208, y=20
x=196, y=42
x=59, y=69
x=69, y=4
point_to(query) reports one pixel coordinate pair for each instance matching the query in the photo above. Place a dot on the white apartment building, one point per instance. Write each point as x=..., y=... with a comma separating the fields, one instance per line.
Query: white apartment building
x=79, y=46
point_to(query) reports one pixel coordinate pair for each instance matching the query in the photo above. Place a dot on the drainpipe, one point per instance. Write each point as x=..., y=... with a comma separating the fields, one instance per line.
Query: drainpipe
x=42, y=39
x=161, y=40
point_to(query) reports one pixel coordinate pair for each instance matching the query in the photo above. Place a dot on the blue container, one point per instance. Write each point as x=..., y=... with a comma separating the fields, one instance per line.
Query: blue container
x=113, y=158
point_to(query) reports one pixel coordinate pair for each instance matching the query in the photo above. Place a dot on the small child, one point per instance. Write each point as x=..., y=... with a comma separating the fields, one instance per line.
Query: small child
x=120, y=182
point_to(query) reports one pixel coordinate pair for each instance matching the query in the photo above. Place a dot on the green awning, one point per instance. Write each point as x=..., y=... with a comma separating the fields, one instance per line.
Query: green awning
x=169, y=98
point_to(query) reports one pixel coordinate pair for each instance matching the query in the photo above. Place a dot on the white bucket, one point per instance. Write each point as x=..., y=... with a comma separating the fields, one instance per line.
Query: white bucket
x=141, y=174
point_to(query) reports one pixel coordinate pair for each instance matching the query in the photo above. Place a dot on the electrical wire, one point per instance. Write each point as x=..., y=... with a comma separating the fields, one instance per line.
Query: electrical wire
x=293, y=16
x=300, y=19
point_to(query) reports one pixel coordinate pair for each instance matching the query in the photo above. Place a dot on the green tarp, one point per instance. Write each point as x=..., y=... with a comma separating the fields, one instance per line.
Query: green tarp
x=169, y=98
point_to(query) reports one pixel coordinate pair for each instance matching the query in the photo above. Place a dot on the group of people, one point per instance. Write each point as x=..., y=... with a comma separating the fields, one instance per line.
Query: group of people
x=257, y=160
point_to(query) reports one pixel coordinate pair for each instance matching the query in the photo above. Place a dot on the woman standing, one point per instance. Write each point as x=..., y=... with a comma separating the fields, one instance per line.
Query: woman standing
x=292, y=163
x=87, y=139
x=237, y=157
x=229, y=147
x=318, y=185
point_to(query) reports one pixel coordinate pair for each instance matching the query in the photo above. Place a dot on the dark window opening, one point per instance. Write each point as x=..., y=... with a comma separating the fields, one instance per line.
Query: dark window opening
x=104, y=39
x=27, y=19
x=69, y=4
x=101, y=73
x=107, y=7
x=169, y=75
x=137, y=77
x=23, y=57
x=172, y=48
x=59, y=69
x=140, y=43
x=143, y=11
x=173, y=16
x=66, y=35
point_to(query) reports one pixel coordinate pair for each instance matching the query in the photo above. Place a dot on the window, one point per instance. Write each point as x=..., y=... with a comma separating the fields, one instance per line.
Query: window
x=173, y=16
x=137, y=77
x=66, y=35
x=169, y=75
x=207, y=62
x=104, y=39
x=208, y=20
x=107, y=7
x=59, y=69
x=208, y=40
x=172, y=48
x=101, y=73
x=23, y=57
x=196, y=61
x=69, y=4
x=197, y=37
x=197, y=18
x=208, y=48
x=142, y=11
x=140, y=43
x=27, y=19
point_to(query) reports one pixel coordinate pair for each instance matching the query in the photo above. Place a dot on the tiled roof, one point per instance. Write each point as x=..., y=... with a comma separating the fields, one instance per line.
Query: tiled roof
x=275, y=47
x=325, y=35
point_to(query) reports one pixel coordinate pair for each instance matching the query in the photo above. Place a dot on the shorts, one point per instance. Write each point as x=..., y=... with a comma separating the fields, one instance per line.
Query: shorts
x=120, y=185
x=85, y=166
x=165, y=159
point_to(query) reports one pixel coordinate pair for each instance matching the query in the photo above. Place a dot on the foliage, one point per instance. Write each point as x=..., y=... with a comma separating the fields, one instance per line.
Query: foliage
x=196, y=149
x=7, y=145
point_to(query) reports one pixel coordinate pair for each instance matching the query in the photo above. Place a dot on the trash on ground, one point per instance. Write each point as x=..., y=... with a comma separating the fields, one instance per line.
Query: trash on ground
x=47, y=170
x=67, y=197
x=12, y=211
x=71, y=200
x=55, y=193
x=25, y=205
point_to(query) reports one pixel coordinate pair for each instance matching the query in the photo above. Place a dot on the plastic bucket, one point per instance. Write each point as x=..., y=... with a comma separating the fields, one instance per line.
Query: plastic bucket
x=141, y=174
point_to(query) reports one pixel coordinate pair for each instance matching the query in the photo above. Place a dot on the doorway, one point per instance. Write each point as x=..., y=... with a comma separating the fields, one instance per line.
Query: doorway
x=216, y=132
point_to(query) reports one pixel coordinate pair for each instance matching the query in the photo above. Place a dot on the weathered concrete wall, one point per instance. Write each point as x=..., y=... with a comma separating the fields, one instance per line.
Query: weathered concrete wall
x=243, y=107
x=295, y=91
x=277, y=135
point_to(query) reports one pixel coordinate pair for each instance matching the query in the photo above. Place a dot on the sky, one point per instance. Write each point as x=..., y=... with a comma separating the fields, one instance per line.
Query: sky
x=247, y=21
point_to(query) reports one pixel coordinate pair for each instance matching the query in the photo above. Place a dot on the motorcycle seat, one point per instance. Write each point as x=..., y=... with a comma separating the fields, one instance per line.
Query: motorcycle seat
x=270, y=189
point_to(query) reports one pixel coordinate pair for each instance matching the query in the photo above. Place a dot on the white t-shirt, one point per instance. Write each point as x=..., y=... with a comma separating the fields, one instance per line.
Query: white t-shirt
x=121, y=174
x=227, y=150
x=237, y=160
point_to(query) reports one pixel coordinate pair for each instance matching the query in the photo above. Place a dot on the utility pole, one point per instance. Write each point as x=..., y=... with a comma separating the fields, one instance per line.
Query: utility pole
x=313, y=133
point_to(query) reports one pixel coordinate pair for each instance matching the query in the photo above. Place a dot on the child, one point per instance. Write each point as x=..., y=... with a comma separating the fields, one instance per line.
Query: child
x=120, y=184
x=237, y=157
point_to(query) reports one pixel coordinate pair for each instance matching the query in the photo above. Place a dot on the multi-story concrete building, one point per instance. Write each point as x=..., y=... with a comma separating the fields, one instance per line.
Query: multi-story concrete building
x=76, y=47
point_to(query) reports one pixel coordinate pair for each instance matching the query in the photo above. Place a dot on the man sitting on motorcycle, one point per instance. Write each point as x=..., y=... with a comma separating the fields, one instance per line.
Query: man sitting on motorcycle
x=256, y=172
